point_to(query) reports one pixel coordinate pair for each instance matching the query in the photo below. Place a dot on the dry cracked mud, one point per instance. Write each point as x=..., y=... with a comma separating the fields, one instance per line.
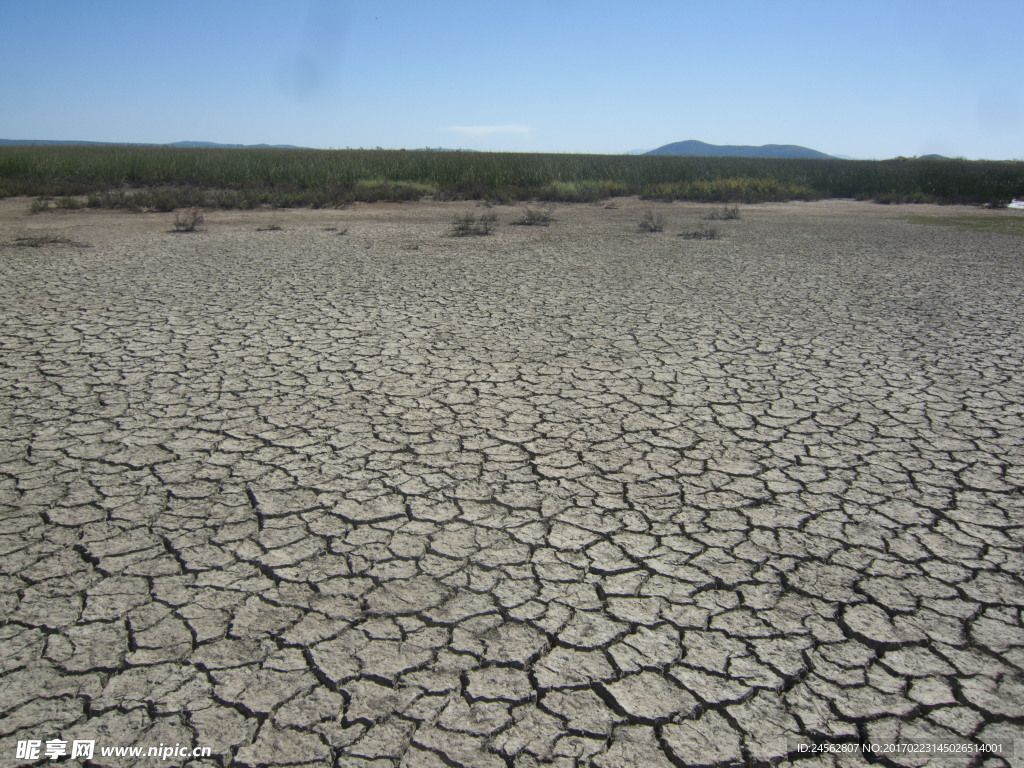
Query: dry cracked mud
x=567, y=496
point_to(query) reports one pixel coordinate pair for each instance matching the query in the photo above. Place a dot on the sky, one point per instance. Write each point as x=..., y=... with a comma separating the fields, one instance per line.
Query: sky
x=862, y=79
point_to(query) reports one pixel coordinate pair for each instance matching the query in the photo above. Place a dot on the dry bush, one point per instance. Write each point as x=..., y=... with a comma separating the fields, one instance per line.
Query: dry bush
x=651, y=222
x=702, y=232
x=724, y=214
x=535, y=218
x=188, y=221
x=468, y=224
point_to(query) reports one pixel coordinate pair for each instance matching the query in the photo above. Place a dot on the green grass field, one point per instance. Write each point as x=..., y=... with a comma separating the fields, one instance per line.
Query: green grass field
x=165, y=178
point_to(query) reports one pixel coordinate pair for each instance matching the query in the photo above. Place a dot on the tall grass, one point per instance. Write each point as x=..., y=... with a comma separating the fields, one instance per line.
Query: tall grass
x=165, y=178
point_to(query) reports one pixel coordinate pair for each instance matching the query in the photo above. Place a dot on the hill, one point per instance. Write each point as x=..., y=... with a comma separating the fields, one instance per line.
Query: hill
x=700, y=148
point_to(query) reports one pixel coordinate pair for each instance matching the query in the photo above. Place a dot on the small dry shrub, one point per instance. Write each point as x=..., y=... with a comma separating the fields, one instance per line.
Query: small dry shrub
x=468, y=224
x=702, y=232
x=724, y=214
x=535, y=218
x=651, y=222
x=188, y=221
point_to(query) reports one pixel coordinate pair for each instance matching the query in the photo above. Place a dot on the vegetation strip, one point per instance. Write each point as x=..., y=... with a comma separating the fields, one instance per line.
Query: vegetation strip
x=166, y=178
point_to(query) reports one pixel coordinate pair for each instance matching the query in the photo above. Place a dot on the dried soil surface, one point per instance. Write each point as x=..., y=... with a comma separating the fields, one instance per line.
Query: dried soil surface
x=570, y=495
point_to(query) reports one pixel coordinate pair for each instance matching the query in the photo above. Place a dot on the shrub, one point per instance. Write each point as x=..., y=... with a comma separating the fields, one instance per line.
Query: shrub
x=651, y=222
x=724, y=214
x=164, y=200
x=535, y=218
x=702, y=232
x=467, y=225
x=188, y=221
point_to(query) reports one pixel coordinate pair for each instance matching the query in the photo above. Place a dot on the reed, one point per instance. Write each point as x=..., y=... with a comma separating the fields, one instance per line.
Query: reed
x=168, y=178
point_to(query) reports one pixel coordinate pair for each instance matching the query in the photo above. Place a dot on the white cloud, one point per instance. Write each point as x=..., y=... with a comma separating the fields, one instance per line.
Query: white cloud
x=487, y=130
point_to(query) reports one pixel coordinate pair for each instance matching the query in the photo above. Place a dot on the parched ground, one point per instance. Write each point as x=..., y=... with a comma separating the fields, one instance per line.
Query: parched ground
x=357, y=493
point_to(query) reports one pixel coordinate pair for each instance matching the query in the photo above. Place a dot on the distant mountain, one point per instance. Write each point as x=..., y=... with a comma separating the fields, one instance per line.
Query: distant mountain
x=45, y=142
x=699, y=148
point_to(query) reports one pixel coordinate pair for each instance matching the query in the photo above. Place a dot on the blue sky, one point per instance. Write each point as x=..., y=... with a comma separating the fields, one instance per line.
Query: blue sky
x=864, y=79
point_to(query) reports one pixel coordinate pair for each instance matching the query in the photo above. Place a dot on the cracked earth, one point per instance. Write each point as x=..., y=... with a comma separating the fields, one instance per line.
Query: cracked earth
x=567, y=496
